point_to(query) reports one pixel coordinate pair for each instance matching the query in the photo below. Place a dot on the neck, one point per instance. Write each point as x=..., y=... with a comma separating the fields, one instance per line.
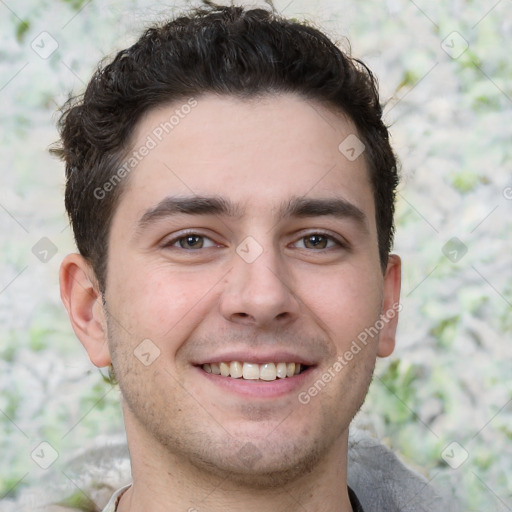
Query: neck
x=166, y=482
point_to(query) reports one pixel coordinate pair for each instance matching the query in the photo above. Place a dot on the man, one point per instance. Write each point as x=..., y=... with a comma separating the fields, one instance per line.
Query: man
x=231, y=185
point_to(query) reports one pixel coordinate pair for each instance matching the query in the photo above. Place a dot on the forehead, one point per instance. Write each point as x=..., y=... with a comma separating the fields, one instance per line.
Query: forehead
x=256, y=152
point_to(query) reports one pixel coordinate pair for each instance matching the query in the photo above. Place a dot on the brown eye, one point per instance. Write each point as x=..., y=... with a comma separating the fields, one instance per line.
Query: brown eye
x=191, y=242
x=316, y=241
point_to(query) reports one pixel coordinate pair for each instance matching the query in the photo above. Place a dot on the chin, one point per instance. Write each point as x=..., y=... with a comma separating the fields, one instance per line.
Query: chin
x=262, y=465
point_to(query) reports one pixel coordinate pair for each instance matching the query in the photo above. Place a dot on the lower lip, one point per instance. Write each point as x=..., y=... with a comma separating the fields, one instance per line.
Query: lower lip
x=258, y=388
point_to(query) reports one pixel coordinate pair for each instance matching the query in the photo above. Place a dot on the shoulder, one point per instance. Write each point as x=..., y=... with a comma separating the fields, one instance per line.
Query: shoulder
x=85, y=483
x=89, y=480
x=382, y=481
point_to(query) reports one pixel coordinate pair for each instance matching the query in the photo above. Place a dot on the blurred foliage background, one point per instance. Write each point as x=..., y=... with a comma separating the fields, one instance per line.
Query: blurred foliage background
x=445, y=75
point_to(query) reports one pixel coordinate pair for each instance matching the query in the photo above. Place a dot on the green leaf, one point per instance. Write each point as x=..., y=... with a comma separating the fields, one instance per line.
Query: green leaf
x=79, y=501
x=21, y=29
x=76, y=4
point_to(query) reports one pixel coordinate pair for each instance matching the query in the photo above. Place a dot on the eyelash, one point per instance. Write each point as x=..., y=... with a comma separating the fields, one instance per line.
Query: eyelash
x=330, y=238
x=172, y=242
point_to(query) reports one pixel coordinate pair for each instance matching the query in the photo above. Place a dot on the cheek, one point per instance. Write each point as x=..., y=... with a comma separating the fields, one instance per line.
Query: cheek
x=345, y=301
x=162, y=304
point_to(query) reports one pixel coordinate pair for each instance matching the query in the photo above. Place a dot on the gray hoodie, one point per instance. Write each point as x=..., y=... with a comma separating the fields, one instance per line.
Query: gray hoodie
x=93, y=481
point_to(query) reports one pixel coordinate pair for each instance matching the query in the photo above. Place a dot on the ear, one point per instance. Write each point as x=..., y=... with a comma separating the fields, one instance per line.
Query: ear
x=390, y=305
x=80, y=294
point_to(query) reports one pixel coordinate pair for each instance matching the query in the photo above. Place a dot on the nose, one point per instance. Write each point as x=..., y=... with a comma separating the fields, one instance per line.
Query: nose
x=259, y=293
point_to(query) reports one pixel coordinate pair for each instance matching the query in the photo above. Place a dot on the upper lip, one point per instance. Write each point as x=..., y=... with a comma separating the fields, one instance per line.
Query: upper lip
x=259, y=357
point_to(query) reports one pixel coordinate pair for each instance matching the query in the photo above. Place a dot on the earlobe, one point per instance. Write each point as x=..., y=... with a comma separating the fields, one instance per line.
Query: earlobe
x=80, y=294
x=390, y=306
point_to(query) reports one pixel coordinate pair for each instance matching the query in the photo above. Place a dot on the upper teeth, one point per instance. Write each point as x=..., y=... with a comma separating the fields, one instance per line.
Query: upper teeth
x=253, y=371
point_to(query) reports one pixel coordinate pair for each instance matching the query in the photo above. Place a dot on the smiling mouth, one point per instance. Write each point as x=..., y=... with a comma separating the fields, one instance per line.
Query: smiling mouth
x=254, y=371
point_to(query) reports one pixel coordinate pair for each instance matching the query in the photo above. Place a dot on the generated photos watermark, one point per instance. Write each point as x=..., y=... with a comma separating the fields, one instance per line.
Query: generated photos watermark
x=344, y=359
x=152, y=140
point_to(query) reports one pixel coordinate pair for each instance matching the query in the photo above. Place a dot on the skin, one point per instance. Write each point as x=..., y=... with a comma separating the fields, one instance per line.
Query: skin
x=194, y=443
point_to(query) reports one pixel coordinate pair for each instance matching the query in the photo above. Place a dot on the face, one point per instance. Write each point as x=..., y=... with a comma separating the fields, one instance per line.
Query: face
x=245, y=242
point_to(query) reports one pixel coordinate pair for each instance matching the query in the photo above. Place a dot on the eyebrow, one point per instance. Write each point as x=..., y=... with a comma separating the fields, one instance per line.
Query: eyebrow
x=190, y=205
x=301, y=207
x=334, y=207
